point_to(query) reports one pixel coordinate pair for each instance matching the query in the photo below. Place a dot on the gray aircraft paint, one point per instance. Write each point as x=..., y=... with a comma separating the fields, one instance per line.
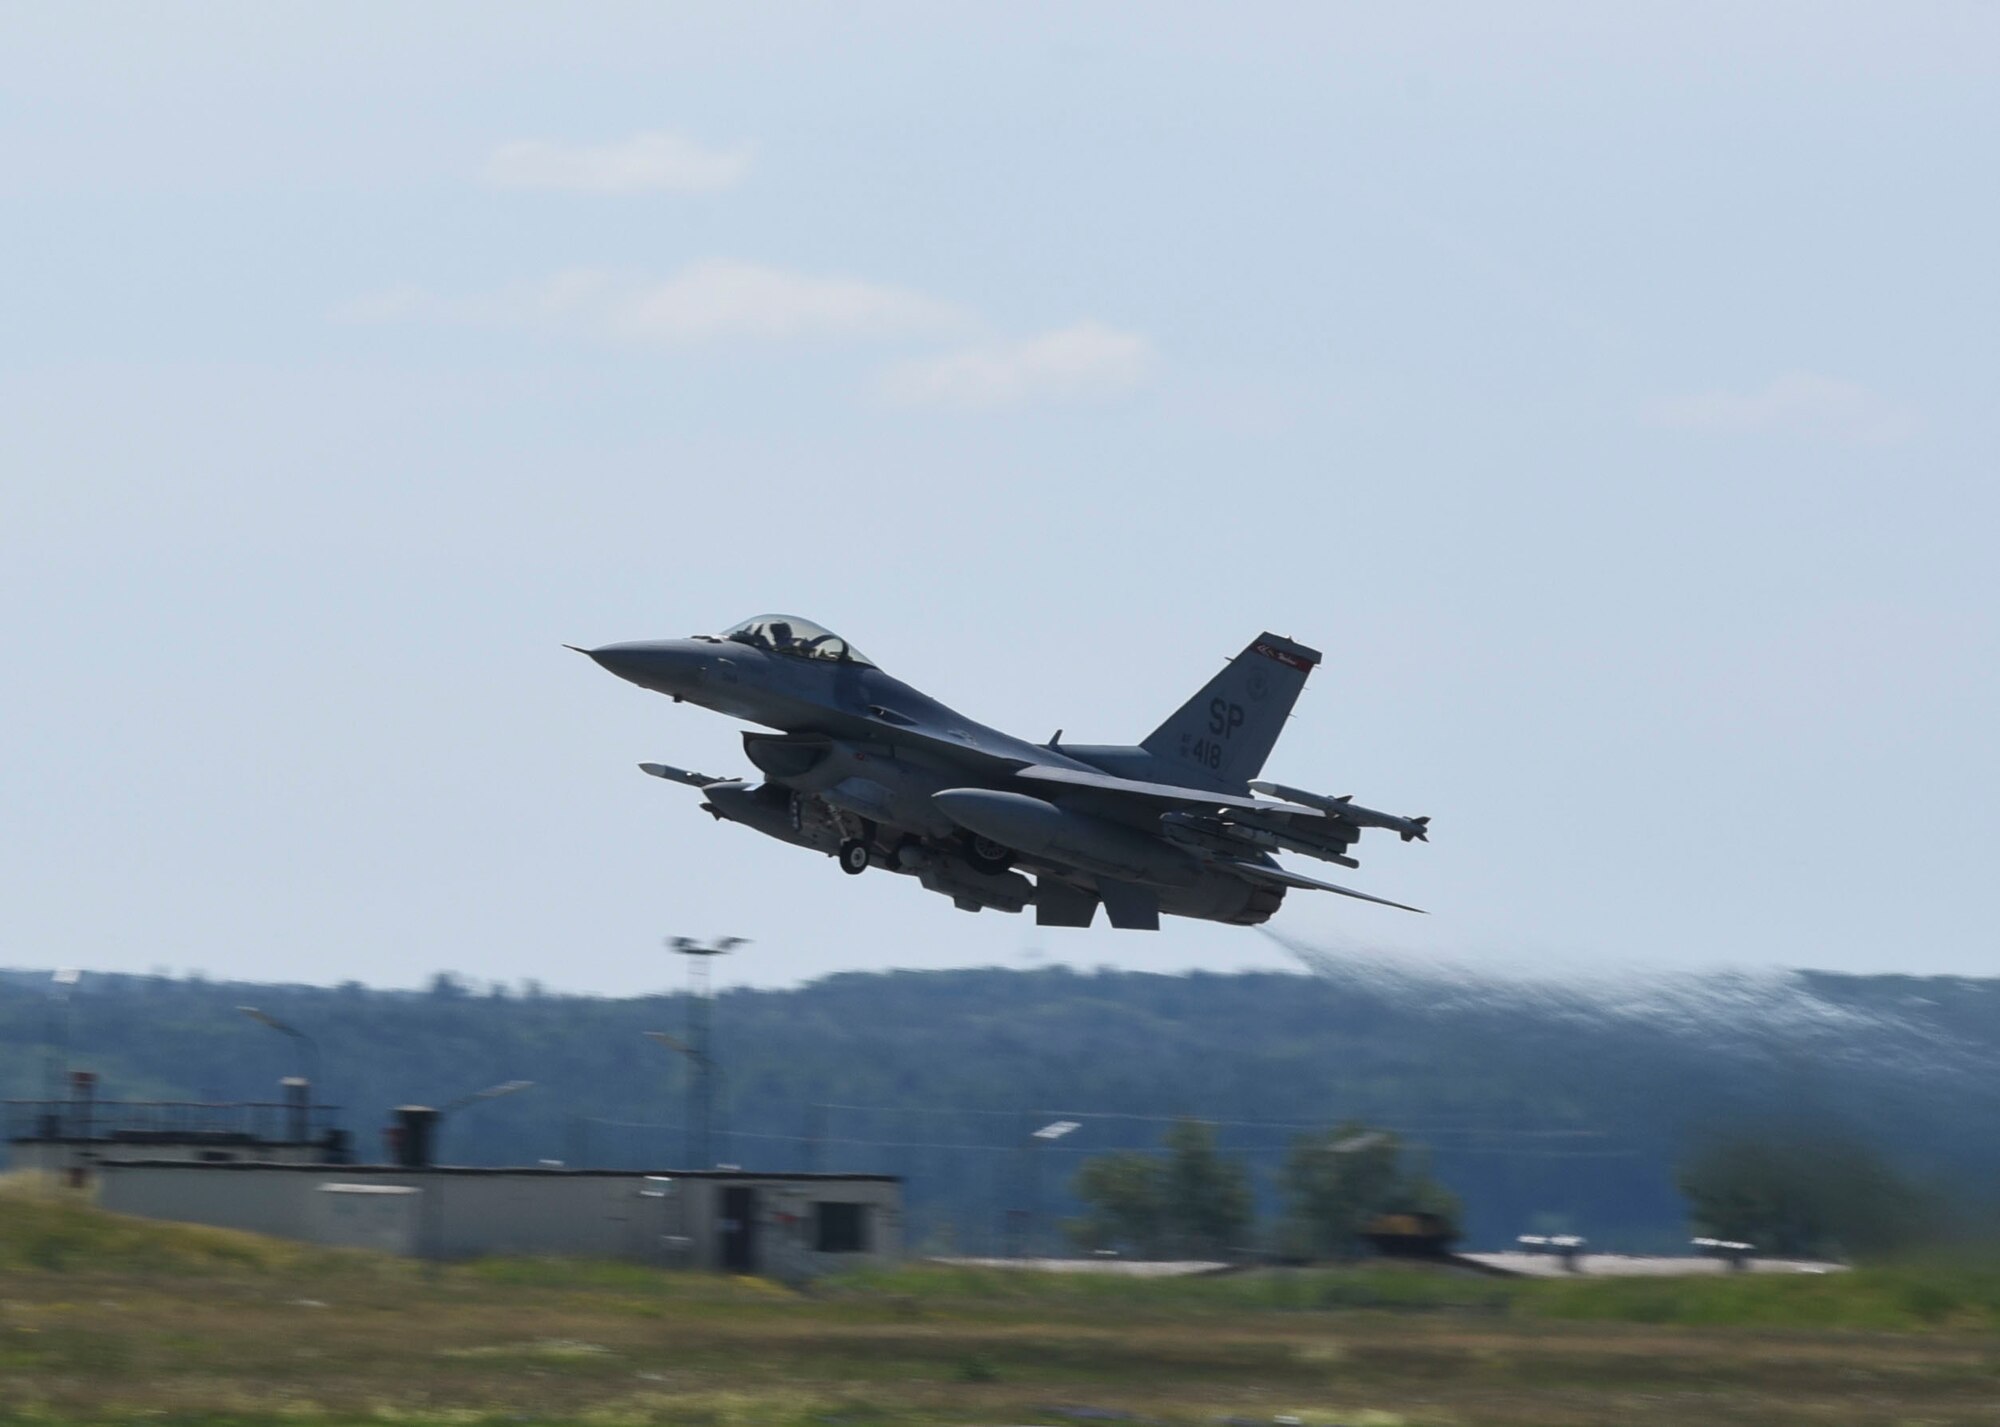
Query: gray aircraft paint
x=878, y=774
x=1221, y=737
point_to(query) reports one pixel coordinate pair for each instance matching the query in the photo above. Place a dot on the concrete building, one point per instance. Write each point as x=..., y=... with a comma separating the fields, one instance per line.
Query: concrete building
x=70, y=1138
x=786, y=1226
x=283, y=1168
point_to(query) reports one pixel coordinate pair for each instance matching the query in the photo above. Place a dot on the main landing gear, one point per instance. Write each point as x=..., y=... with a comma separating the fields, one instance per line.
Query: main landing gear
x=857, y=836
x=986, y=856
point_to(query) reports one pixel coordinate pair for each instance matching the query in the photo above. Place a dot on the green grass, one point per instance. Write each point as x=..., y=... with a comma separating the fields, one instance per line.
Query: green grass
x=1896, y=1298
x=1385, y=1286
x=1919, y=1296
x=49, y=1228
x=106, y=1320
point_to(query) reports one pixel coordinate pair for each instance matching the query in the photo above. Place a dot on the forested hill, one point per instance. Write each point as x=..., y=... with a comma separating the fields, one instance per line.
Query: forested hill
x=1543, y=1107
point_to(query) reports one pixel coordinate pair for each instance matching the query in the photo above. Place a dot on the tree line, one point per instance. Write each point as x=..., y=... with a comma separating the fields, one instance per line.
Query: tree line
x=1781, y=1194
x=1194, y=1202
x=1541, y=1112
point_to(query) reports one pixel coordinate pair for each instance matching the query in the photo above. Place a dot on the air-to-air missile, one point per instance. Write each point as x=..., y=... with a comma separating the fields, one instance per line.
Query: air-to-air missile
x=769, y=809
x=1348, y=810
x=1228, y=838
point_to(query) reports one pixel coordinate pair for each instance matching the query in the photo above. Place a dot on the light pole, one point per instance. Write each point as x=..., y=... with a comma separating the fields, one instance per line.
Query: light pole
x=700, y=1068
x=491, y=1092
x=57, y=1069
x=307, y=1044
x=701, y=1085
x=1046, y=1135
x=420, y=1130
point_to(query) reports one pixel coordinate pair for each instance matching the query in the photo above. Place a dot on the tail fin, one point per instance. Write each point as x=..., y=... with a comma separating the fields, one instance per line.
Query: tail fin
x=1221, y=736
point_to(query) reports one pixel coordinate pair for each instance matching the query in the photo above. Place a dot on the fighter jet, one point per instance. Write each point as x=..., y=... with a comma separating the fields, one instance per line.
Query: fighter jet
x=866, y=769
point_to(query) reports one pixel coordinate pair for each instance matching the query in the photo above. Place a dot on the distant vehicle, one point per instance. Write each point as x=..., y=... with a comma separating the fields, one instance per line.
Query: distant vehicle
x=869, y=770
x=1410, y=1234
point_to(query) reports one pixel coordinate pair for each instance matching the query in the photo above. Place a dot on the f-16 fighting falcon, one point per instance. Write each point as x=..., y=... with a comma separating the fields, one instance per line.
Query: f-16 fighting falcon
x=865, y=768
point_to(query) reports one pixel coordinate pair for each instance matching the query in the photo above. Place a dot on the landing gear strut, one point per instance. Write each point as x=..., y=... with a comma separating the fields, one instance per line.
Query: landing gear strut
x=853, y=857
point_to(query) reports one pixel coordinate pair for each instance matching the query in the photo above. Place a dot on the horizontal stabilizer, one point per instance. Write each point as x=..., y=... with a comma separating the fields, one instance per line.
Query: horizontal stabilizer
x=1283, y=877
x=681, y=775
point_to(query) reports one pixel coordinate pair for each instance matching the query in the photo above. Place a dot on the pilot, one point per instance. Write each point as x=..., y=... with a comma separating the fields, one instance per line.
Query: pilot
x=781, y=636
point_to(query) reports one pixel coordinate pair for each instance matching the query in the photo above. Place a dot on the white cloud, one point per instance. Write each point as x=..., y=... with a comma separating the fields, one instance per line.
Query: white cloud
x=644, y=163
x=718, y=300
x=396, y=304
x=723, y=298
x=728, y=300
x=1801, y=403
x=566, y=297
x=1086, y=362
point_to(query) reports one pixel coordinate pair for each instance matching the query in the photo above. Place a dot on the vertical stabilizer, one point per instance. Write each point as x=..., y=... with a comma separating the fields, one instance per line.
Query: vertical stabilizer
x=1221, y=736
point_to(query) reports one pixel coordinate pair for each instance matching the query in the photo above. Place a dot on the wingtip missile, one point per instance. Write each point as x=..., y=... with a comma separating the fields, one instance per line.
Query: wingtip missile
x=680, y=775
x=1347, y=810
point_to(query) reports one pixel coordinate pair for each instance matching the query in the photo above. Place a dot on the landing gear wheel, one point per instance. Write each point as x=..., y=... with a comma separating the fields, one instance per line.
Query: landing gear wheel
x=987, y=856
x=853, y=857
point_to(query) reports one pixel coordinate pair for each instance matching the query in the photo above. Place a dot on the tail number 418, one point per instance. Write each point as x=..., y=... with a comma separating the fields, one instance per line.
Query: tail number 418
x=1224, y=718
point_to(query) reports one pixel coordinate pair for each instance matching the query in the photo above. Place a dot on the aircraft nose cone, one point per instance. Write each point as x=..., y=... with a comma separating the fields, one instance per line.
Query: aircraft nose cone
x=666, y=666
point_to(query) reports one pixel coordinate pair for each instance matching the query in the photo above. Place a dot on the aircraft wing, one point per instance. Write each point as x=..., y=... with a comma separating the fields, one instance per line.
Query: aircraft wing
x=1283, y=877
x=1154, y=792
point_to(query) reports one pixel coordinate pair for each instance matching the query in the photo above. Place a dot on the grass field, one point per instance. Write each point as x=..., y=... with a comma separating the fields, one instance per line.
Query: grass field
x=107, y=1320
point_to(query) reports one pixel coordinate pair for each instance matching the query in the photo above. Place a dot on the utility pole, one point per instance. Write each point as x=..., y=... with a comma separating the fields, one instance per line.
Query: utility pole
x=701, y=1083
x=56, y=1071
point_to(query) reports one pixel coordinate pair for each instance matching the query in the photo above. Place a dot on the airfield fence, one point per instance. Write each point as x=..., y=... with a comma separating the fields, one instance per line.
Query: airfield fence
x=137, y=1121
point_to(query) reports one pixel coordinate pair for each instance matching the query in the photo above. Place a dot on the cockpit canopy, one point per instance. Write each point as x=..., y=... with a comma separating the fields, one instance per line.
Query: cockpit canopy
x=788, y=634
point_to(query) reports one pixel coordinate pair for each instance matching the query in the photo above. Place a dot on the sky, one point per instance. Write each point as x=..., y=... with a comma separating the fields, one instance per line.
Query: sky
x=1606, y=390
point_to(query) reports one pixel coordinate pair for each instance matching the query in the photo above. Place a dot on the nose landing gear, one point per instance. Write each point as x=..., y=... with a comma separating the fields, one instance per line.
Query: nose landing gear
x=853, y=857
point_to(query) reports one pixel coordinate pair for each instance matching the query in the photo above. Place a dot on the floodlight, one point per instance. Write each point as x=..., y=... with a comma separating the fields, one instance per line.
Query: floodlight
x=688, y=946
x=491, y=1092
x=507, y=1087
x=1367, y=1140
x=306, y=1043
